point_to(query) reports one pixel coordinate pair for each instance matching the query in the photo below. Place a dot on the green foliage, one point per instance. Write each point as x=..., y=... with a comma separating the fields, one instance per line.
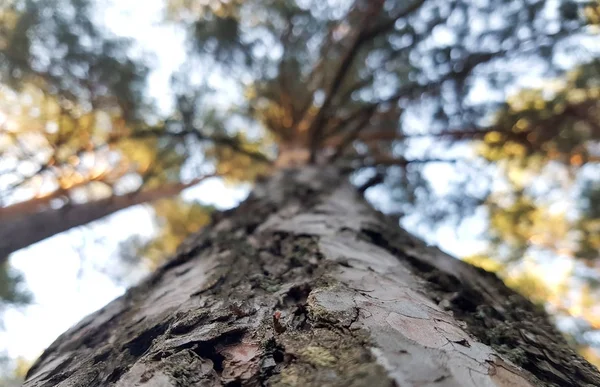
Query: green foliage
x=527, y=279
x=11, y=288
x=592, y=13
x=70, y=97
x=588, y=225
x=68, y=91
x=544, y=142
x=552, y=123
x=56, y=46
x=12, y=372
x=175, y=220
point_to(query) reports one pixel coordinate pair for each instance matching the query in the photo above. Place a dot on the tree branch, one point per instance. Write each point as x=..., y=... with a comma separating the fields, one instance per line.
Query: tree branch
x=21, y=231
x=361, y=38
x=376, y=179
x=388, y=161
x=344, y=67
x=221, y=140
x=351, y=134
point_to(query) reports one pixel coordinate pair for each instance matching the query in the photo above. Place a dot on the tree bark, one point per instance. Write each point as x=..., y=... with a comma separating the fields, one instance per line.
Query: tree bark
x=305, y=284
x=19, y=229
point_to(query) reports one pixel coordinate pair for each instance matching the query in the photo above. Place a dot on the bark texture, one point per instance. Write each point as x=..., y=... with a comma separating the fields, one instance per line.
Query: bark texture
x=20, y=226
x=305, y=284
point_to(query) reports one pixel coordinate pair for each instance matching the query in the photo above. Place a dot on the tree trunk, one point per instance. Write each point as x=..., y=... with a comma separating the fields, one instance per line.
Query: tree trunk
x=305, y=284
x=19, y=229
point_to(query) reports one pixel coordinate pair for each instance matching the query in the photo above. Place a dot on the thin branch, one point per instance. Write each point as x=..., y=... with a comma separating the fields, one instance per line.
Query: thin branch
x=352, y=134
x=344, y=67
x=285, y=97
x=388, y=161
x=376, y=179
x=221, y=140
x=369, y=136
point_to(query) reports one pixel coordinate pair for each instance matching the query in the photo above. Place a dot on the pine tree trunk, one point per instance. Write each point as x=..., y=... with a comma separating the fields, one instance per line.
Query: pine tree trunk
x=305, y=284
x=20, y=227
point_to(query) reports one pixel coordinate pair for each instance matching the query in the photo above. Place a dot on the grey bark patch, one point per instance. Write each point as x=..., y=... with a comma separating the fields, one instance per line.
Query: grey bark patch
x=492, y=313
x=417, y=343
x=182, y=369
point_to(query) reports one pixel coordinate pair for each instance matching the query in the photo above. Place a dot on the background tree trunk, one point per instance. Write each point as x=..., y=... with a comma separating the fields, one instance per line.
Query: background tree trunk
x=19, y=227
x=305, y=284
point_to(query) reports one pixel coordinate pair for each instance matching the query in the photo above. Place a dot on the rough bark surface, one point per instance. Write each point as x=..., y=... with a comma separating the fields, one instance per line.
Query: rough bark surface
x=20, y=226
x=305, y=284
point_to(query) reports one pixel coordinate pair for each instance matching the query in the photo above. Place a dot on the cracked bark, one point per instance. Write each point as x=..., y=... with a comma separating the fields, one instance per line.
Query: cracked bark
x=304, y=284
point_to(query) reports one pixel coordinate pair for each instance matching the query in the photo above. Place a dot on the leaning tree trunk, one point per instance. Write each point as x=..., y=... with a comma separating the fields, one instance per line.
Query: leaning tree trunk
x=305, y=284
x=21, y=226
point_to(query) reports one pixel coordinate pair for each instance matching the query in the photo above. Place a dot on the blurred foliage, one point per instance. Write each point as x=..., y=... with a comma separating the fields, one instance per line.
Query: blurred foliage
x=553, y=123
x=55, y=46
x=11, y=287
x=76, y=124
x=546, y=207
x=13, y=371
x=69, y=99
x=592, y=13
x=68, y=91
x=588, y=224
x=401, y=89
x=527, y=279
x=175, y=220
